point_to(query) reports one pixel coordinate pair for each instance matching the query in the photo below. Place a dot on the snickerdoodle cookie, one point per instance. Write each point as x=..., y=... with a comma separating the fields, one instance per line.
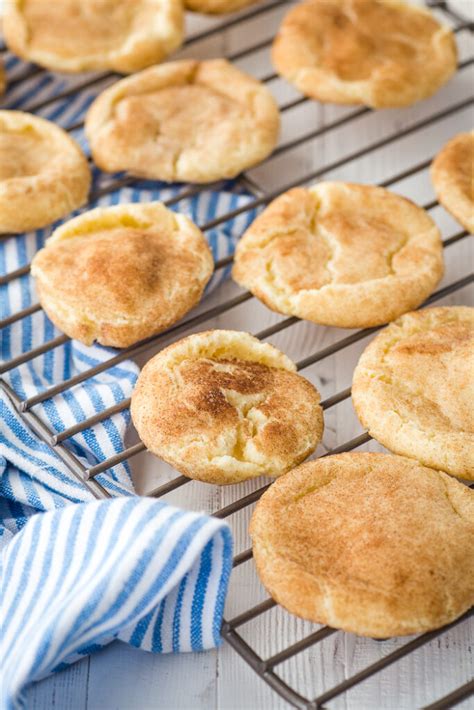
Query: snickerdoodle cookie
x=413, y=388
x=43, y=172
x=373, y=544
x=380, y=53
x=121, y=274
x=183, y=121
x=80, y=35
x=223, y=407
x=341, y=254
x=452, y=173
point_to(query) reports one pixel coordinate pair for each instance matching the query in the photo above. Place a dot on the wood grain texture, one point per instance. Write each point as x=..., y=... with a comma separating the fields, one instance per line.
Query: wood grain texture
x=121, y=678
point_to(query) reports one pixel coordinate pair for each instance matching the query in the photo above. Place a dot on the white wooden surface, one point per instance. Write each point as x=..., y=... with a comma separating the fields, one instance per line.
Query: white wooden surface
x=121, y=678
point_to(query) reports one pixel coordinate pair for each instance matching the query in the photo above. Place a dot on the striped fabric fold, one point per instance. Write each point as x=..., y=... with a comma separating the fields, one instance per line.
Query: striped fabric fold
x=135, y=569
x=75, y=577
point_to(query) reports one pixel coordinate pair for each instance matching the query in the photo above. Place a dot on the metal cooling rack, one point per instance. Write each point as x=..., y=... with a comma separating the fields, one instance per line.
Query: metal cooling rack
x=265, y=668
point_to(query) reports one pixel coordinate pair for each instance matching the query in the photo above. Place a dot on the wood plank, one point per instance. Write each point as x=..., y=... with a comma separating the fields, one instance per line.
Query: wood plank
x=62, y=691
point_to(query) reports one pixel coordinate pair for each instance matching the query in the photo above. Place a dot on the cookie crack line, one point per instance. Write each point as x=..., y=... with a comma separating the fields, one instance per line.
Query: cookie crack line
x=271, y=280
x=390, y=256
x=309, y=491
x=331, y=243
x=451, y=504
x=332, y=246
x=244, y=413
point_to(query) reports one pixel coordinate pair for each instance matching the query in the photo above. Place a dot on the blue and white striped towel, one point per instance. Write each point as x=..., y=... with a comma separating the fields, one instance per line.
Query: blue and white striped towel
x=78, y=576
x=135, y=569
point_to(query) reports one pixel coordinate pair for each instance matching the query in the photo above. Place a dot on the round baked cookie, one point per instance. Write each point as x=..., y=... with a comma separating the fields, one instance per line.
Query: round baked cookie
x=81, y=35
x=222, y=407
x=217, y=7
x=341, y=254
x=121, y=274
x=452, y=174
x=373, y=544
x=381, y=53
x=43, y=172
x=183, y=121
x=413, y=388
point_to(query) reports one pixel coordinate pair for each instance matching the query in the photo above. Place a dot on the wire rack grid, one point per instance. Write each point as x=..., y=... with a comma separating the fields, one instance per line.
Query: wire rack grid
x=266, y=668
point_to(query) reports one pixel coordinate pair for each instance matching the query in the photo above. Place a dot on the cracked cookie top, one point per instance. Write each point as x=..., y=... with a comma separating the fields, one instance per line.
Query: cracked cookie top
x=120, y=274
x=43, y=173
x=184, y=121
x=222, y=407
x=413, y=388
x=374, y=544
x=452, y=174
x=380, y=53
x=341, y=254
x=80, y=35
